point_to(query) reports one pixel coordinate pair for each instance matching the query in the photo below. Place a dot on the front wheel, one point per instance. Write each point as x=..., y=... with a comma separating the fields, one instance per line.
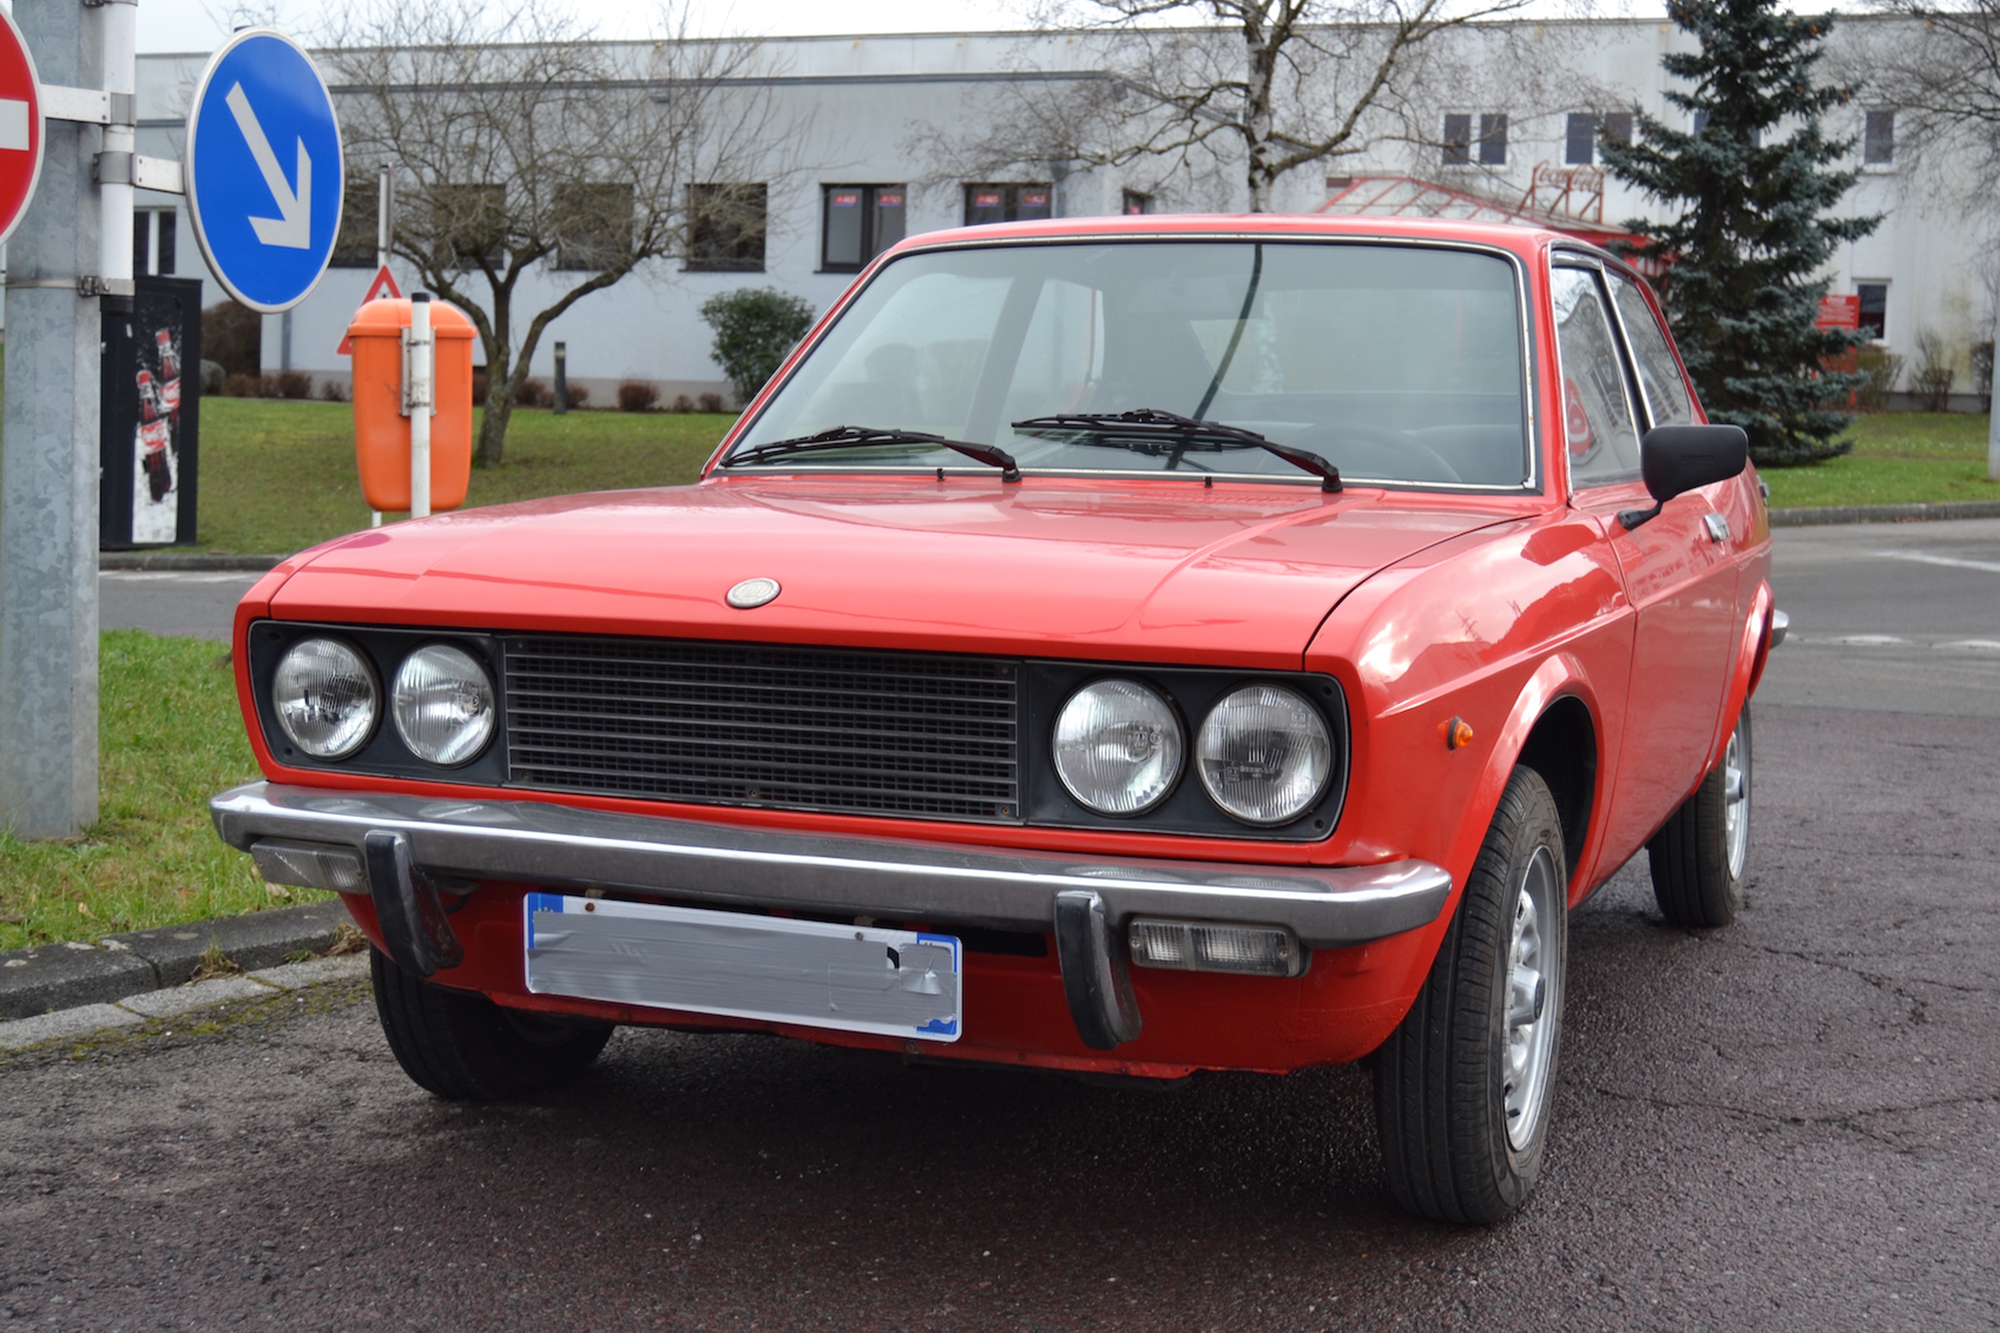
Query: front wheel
x=467, y=1048
x=1698, y=859
x=1462, y=1086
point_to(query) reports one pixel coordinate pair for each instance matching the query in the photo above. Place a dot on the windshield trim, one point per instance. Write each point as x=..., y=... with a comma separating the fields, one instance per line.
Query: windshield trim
x=1531, y=484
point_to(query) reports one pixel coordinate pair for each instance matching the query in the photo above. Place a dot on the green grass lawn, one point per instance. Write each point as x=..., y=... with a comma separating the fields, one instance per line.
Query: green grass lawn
x=279, y=476
x=1898, y=458
x=170, y=737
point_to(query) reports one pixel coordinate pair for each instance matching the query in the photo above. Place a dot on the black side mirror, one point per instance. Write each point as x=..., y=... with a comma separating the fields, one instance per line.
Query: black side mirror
x=1674, y=460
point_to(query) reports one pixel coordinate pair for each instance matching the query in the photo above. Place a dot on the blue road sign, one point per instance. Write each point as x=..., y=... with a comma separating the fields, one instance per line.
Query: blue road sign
x=264, y=172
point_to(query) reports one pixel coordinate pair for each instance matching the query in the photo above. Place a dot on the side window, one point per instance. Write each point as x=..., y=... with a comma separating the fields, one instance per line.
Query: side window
x=1660, y=379
x=1597, y=417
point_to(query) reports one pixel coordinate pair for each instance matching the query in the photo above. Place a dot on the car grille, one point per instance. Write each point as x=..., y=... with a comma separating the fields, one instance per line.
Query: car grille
x=917, y=734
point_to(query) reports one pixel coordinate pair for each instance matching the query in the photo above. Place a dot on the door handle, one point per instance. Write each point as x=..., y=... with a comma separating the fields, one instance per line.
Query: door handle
x=1718, y=527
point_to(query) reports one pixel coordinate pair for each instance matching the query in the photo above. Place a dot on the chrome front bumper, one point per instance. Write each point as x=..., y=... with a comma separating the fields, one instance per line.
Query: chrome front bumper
x=401, y=842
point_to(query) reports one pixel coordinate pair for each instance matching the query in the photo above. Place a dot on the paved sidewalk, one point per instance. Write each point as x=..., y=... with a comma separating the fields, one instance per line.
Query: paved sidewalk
x=82, y=1020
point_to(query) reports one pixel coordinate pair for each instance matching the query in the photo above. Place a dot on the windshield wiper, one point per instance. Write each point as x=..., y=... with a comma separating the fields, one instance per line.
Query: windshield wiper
x=1154, y=425
x=849, y=437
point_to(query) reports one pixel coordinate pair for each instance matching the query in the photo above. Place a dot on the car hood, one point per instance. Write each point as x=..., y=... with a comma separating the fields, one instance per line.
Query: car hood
x=1157, y=571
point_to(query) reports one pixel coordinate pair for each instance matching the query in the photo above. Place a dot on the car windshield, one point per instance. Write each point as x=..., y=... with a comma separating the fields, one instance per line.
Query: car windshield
x=1397, y=364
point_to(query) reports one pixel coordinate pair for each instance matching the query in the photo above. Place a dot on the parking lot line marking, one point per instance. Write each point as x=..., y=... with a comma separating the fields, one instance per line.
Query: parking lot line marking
x=1950, y=561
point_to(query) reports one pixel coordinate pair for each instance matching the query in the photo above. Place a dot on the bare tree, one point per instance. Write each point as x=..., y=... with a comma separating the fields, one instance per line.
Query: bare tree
x=1940, y=74
x=1207, y=88
x=520, y=147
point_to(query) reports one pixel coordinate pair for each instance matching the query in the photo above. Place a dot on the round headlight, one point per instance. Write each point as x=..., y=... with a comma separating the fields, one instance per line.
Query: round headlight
x=1118, y=747
x=443, y=705
x=1264, y=754
x=326, y=699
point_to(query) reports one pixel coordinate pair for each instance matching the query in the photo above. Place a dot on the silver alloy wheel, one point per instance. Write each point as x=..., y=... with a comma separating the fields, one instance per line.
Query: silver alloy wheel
x=1736, y=802
x=1533, y=997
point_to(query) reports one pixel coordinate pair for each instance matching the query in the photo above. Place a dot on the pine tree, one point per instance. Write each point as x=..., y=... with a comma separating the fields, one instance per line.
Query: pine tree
x=1753, y=185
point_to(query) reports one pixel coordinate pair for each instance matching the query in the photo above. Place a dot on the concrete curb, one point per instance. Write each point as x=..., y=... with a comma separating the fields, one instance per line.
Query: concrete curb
x=184, y=560
x=1912, y=513
x=62, y=976
x=22, y=1033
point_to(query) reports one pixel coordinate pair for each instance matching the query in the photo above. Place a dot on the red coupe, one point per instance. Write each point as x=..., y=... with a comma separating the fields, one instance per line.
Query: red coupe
x=1127, y=646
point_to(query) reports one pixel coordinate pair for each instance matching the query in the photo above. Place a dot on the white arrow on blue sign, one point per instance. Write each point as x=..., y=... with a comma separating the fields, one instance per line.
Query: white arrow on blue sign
x=264, y=171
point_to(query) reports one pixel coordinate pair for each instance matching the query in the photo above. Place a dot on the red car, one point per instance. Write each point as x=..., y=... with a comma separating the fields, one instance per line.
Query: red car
x=1126, y=646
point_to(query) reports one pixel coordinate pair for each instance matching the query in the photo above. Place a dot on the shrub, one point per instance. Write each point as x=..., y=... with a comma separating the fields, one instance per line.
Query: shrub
x=533, y=393
x=755, y=327
x=1932, y=380
x=1882, y=369
x=636, y=396
x=213, y=376
x=241, y=386
x=1982, y=368
x=233, y=338
x=333, y=391
x=480, y=385
x=683, y=403
x=294, y=384
x=711, y=402
x=575, y=395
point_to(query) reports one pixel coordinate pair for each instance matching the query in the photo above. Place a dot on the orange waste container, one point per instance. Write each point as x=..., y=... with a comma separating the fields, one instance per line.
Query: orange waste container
x=382, y=432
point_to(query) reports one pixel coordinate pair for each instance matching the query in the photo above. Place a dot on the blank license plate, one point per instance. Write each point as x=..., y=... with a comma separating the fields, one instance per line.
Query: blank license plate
x=898, y=983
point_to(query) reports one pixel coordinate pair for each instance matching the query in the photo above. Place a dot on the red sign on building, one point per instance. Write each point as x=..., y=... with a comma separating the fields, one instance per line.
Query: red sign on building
x=20, y=126
x=1838, y=312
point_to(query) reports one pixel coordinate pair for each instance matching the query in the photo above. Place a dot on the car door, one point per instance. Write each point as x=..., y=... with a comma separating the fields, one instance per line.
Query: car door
x=1677, y=567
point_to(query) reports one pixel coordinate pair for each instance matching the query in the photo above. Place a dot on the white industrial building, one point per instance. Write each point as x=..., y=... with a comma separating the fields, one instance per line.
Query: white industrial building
x=862, y=164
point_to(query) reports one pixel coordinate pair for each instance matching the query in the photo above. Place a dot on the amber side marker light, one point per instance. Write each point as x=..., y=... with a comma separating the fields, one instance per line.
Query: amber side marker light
x=1205, y=946
x=1455, y=734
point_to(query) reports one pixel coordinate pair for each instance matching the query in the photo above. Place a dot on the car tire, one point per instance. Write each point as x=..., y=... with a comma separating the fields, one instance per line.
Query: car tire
x=1462, y=1087
x=467, y=1048
x=1700, y=856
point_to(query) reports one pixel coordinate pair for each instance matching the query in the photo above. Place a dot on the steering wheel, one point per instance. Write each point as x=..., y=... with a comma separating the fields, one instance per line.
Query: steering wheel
x=1383, y=453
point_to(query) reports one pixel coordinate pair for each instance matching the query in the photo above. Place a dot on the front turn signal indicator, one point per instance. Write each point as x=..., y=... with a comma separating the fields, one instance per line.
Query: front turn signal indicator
x=1455, y=734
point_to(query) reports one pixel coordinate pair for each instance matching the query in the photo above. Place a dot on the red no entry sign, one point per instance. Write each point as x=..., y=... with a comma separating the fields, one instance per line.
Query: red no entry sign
x=20, y=126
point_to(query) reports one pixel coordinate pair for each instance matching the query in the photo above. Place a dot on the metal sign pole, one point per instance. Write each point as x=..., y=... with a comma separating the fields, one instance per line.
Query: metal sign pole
x=385, y=232
x=48, y=479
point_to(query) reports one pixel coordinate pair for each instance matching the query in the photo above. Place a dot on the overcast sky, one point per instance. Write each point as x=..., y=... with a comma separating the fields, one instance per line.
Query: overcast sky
x=199, y=25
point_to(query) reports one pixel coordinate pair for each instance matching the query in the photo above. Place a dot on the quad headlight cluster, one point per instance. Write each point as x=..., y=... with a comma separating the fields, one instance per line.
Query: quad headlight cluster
x=329, y=702
x=1263, y=753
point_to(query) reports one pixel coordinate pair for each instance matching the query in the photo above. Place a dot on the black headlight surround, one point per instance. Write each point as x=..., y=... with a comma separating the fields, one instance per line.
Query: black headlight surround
x=385, y=648
x=1048, y=685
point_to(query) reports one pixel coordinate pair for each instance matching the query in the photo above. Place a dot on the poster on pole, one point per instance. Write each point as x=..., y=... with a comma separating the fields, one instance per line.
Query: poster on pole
x=150, y=398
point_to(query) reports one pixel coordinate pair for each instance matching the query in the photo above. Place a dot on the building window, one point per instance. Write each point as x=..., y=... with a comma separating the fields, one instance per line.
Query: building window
x=1006, y=203
x=1136, y=204
x=1878, y=139
x=1585, y=130
x=468, y=224
x=1457, y=140
x=1874, y=310
x=594, y=227
x=1580, y=139
x=1491, y=145
x=726, y=226
x=858, y=223
x=153, y=241
x=355, y=246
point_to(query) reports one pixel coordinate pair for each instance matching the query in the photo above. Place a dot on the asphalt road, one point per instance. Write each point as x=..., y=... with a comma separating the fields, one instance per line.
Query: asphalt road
x=200, y=604
x=1793, y=1123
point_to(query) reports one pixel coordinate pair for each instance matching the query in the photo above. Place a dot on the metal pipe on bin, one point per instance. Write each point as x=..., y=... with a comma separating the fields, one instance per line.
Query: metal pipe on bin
x=420, y=392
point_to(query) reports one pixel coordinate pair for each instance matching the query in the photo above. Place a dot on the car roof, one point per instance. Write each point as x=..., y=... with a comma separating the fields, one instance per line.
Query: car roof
x=1521, y=239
